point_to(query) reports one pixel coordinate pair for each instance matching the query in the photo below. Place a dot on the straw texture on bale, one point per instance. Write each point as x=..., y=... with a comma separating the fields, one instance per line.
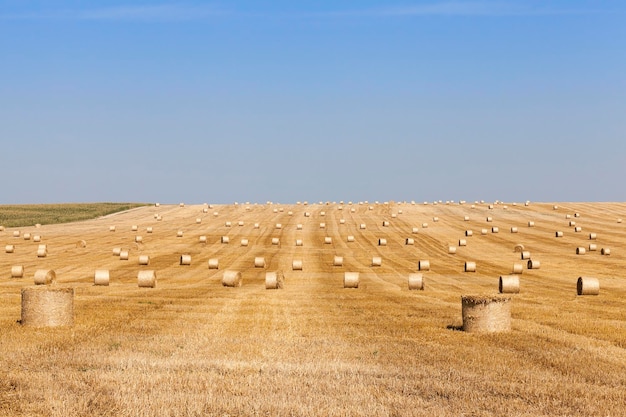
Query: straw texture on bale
x=338, y=261
x=462, y=242
x=259, y=262
x=593, y=236
x=518, y=248
x=144, y=260
x=147, y=279
x=416, y=281
x=350, y=238
x=525, y=255
x=513, y=229
x=117, y=251
x=275, y=241
x=124, y=255
x=17, y=271
x=605, y=251
x=580, y=250
x=299, y=242
x=495, y=230
x=578, y=229
x=423, y=265
x=202, y=239
x=468, y=233
x=26, y=236
x=409, y=241
x=9, y=248
x=593, y=247
x=558, y=234
x=214, y=263
x=351, y=280
x=377, y=261
x=588, y=286
x=470, y=266
x=274, y=280
x=296, y=265
x=101, y=277
x=328, y=240
x=16, y=233
x=185, y=260
x=508, y=284
x=244, y=242
x=486, y=314
x=451, y=250
x=382, y=242
x=533, y=264
x=134, y=228
x=45, y=276
x=531, y=224
x=225, y=239
x=42, y=251
x=47, y=307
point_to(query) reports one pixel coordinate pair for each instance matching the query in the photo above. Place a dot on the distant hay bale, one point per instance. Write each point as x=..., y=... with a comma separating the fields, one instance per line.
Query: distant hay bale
x=45, y=276
x=322, y=225
x=149, y=229
x=198, y=220
x=518, y=268
x=256, y=225
x=17, y=271
x=525, y=255
x=409, y=241
x=244, y=242
x=144, y=260
x=205, y=210
x=322, y=213
x=1, y=228
x=466, y=218
x=619, y=220
x=382, y=242
x=558, y=234
x=146, y=279
x=299, y=242
x=435, y=219
x=377, y=261
x=274, y=280
x=159, y=218
x=593, y=247
x=486, y=314
x=588, y=286
x=307, y=214
x=572, y=223
x=576, y=214
x=214, y=263
x=215, y=214
x=385, y=223
x=531, y=224
x=37, y=238
x=394, y=215
x=338, y=261
x=508, y=284
x=593, y=236
x=278, y=226
x=117, y=251
x=605, y=251
x=47, y=307
x=519, y=248
x=414, y=230
x=495, y=229
x=533, y=264
x=225, y=240
x=101, y=277
x=9, y=248
x=451, y=250
x=484, y=231
x=124, y=255
x=578, y=229
x=468, y=233
x=470, y=266
x=416, y=281
x=342, y=221
x=555, y=207
x=351, y=280
x=182, y=204
x=42, y=251
x=462, y=242
x=138, y=239
x=296, y=265
x=16, y=233
x=350, y=238
x=580, y=250
x=513, y=229
x=202, y=239
x=275, y=241
x=227, y=224
x=362, y=226
x=328, y=240
x=423, y=265
x=185, y=260
x=179, y=233
x=568, y=216
x=259, y=262
x=26, y=236
x=489, y=219
x=134, y=228
x=299, y=226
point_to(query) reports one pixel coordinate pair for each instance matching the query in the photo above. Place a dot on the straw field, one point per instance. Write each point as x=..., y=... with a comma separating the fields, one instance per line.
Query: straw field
x=193, y=347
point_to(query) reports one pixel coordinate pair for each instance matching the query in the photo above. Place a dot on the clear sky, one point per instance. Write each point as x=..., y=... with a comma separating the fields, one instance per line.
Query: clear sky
x=190, y=101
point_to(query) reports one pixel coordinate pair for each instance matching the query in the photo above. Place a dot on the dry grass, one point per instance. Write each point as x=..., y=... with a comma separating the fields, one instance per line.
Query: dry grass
x=31, y=214
x=191, y=347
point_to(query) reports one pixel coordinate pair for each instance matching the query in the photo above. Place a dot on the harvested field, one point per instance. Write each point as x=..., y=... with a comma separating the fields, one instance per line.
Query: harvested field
x=191, y=346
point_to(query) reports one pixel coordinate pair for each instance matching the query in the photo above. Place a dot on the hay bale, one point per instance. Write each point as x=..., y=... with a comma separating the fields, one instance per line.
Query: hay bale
x=519, y=248
x=486, y=314
x=588, y=286
x=423, y=265
x=572, y=223
x=296, y=265
x=134, y=228
x=259, y=262
x=382, y=242
x=578, y=229
x=558, y=234
x=26, y=236
x=593, y=247
x=328, y=240
x=466, y=218
x=144, y=260
x=470, y=266
x=138, y=239
x=149, y=229
x=533, y=264
x=146, y=279
x=462, y=242
x=117, y=251
x=299, y=242
x=244, y=242
x=362, y=226
x=619, y=220
x=580, y=250
x=45, y=276
x=214, y=263
x=42, y=251
x=16, y=233
x=495, y=229
x=416, y=281
x=351, y=280
x=275, y=241
x=435, y=219
x=202, y=239
x=322, y=225
x=47, y=307
x=278, y=226
x=385, y=223
x=468, y=233
x=350, y=238
x=338, y=261
x=37, y=238
x=509, y=284
x=531, y=224
x=307, y=214
x=227, y=224
x=342, y=221
x=518, y=268
x=424, y=225
x=198, y=220
x=484, y=231
x=489, y=219
x=274, y=280
x=451, y=250
x=17, y=271
x=9, y=248
x=299, y=226
x=225, y=240
x=593, y=236
x=179, y=233
x=377, y=261
x=185, y=260
x=525, y=255
x=101, y=277
x=257, y=225
x=409, y=241
x=124, y=255
x=513, y=229
x=605, y=251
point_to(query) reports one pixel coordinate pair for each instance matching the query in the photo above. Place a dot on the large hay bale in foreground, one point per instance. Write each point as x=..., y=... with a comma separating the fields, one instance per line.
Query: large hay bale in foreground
x=274, y=280
x=45, y=276
x=588, y=286
x=47, y=307
x=416, y=281
x=232, y=279
x=486, y=314
x=351, y=280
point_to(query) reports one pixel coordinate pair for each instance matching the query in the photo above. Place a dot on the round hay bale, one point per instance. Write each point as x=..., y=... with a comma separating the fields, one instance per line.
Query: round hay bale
x=17, y=271
x=484, y=231
x=468, y=233
x=514, y=229
x=416, y=281
x=1, y=228
x=144, y=260
x=42, y=251
x=568, y=216
x=409, y=241
x=259, y=262
x=37, y=238
x=244, y=242
x=558, y=234
x=605, y=251
x=415, y=230
x=26, y=236
x=423, y=265
x=531, y=224
x=508, y=284
x=572, y=223
x=205, y=210
x=299, y=242
x=257, y=225
x=518, y=248
x=593, y=247
x=350, y=238
x=146, y=279
x=185, y=260
x=466, y=218
x=296, y=265
x=202, y=239
x=328, y=240
x=138, y=239
x=227, y=224
x=182, y=204
x=278, y=226
x=377, y=261
x=159, y=218
x=451, y=250
x=101, y=277
x=299, y=226
x=9, y=248
x=275, y=241
x=435, y=219
x=179, y=233
x=619, y=220
x=351, y=280
x=382, y=242
x=338, y=261
x=342, y=221
x=525, y=255
x=45, y=276
x=362, y=226
x=215, y=214
x=588, y=286
x=424, y=225
x=580, y=250
x=518, y=268
x=578, y=229
x=533, y=264
x=470, y=266
x=462, y=242
x=47, y=307
x=489, y=219
x=322, y=225
x=486, y=314
x=322, y=213
x=576, y=214
x=16, y=233
x=225, y=239
x=593, y=236
x=117, y=251
x=274, y=280
x=307, y=214
x=555, y=207
x=124, y=255
x=198, y=220
x=214, y=263
x=385, y=223
x=111, y=228
x=134, y=228
x=495, y=230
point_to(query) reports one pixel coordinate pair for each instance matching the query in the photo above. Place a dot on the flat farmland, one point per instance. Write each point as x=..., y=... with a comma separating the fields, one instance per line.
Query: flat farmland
x=192, y=347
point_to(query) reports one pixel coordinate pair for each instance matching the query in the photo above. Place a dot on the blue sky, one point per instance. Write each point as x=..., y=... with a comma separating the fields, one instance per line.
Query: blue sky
x=317, y=100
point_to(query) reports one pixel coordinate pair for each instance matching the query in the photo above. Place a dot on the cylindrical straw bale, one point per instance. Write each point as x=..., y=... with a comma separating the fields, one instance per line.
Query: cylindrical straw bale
x=149, y=229
x=205, y=210
x=578, y=229
x=350, y=238
x=519, y=248
x=377, y=261
x=322, y=225
x=466, y=218
x=257, y=225
x=514, y=229
x=322, y=213
x=468, y=233
x=484, y=231
x=307, y=214
x=146, y=278
x=605, y=251
x=362, y=226
x=299, y=226
x=42, y=251
x=558, y=234
x=37, y=238
x=423, y=265
x=16, y=233
x=299, y=242
x=227, y=224
x=328, y=240
x=1, y=228
x=489, y=219
x=486, y=314
x=382, y=242
x=296, y=265
x=138, y=239
x=185, y=260
x=451, y=250
x=580, y=250
x=338, y=261
x=47, y=307
x=124, y=255
x=555, y=207
x=351, y=280
x=416, y=281
x=619, y=220
x=244, y=242
x=525, y=255
x=414, y=230
x=82, y=244
x=198, y=220
x=572, y=223
x=179, y=233
x=275, y=241
x=409, y=241
x=225, y=239
x=134, y=228
x=278, y=226
x=509, y=284
x=588, y=286
x=462, y=242
x=568, y=216
x=26, y=236
x=576, y=214
x=259, y=262
x=214, y=263
x=533, y=264
x=117, y=251
x=202, y=239
x=17, y=271
x=531, y=224
x=9, y=248
x=45, y=276
x=385, y=223
x=470, y=266
x=435, y=219
x=593, y=236
x=495, y=229
x=144, y=260
x=518, y=268
x=101, y=277
x=593, y=247
x=274, y=280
